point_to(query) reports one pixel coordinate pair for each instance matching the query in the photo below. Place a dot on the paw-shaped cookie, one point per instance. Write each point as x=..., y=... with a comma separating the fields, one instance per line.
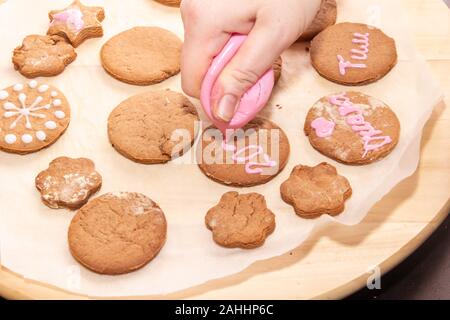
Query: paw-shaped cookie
x=314, y=191
x=240, y=220
x=77, y=22
x=43, y=56
x=68, y=182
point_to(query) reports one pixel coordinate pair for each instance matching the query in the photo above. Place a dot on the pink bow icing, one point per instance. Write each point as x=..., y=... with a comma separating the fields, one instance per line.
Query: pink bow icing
x=73, y=18
x=324, y=128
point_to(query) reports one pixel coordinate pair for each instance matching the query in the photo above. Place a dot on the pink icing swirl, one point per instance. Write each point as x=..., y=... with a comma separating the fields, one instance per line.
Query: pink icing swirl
x=372, y=138
x=324, y=128
x=73, y=18
x=251, y=167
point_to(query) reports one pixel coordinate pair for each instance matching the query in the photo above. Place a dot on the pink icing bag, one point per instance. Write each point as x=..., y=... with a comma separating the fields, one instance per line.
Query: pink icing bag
x=251, y=102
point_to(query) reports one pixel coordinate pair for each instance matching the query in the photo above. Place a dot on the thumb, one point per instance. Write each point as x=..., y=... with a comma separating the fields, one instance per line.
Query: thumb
x=262, y=47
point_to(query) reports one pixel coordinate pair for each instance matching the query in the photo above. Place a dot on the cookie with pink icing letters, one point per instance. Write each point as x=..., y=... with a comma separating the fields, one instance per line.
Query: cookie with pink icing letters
x=68, y=182
x=246, y=157
x=353, y=54
x=77, y=22
x=32, y=116
x=352, y=128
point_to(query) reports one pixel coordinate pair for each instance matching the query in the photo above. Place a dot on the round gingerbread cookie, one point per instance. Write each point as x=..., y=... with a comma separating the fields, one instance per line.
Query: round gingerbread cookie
x=32, y=117
x=240, y=220
x=326, y=17
x=352, y=128
x=247, y=157
x=153, y=127
x=142, y=55
x=353, y=54
x=170, y=3
x=117, y=233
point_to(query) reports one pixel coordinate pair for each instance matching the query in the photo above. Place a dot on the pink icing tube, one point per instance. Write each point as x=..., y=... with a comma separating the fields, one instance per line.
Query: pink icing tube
x=253, y=100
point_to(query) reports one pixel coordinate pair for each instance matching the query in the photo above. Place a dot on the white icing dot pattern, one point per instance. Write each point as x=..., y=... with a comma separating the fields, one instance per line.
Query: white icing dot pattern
x=40, y=135
x=3, y=95
x=60, y=114
x=18, y=87
x=10, y=138
x=33, y=84
x=27, y=138
x=50, y=125
x=57, y=102
x=54, y=94
x=43, y=88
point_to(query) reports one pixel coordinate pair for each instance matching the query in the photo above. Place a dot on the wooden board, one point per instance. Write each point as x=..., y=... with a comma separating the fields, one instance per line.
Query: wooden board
x=337, y=260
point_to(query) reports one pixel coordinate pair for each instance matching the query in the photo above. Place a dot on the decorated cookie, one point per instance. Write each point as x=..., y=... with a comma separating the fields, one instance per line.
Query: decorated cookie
x=68, y=182
x=326, y=17
x=353, y=54
x=117, y=233
x=32, y=117
x=247, y=157
x=77, y=22
x=43, y=56
x=153, y=127
x=277, y=69
x=142, y=55
x=352, y=128
x=314, y=191
x=240, y=220
x=170, y=3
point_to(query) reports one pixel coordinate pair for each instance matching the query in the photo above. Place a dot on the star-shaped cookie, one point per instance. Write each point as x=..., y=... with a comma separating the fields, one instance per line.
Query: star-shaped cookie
x=314, y=191
x=77, y=22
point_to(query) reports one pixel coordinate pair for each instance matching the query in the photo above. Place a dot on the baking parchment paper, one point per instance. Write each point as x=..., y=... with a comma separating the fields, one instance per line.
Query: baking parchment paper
x=34, y=237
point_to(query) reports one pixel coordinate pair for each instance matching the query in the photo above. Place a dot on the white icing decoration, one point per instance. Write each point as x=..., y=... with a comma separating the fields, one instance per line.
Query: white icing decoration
x=43, y=88
x=54, y=94
x=10, y=138
x=18, y=87
x=60, y=114
x=24, y=111
x=40, y=135
x=26, y=138
x=33, y=84
x=57, y=102
x=3, y=95
x=50, y=125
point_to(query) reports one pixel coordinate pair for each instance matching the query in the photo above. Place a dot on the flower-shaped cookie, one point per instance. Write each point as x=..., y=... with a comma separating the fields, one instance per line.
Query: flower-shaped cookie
x=43, y=56
x=314, y=191
x=240, y=220
x=68, y=183
x=77, y=22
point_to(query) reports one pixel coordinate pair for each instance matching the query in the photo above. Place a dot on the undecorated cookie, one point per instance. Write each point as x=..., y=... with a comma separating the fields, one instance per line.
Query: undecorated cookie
x=142, y=55
x=314, y=191
x=153, y=127
x=251, y=156
x=117, y=233
x=326, y=17
x=32, y=117
x=77, y=23
x=170, y=3
x=353, y=54
x=43, y=56
x=352, y=128
x=240, y=220
x=68, y=182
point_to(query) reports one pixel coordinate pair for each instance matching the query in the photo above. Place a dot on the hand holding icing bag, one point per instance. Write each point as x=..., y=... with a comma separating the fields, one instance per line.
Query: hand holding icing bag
x=251, y=102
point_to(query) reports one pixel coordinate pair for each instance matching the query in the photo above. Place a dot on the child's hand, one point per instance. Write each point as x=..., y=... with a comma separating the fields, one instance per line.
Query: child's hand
x=272, y=26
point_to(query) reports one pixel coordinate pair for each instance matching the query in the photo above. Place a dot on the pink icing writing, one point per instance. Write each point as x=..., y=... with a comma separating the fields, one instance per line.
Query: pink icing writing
x=354, y=116
x=250, y=166
x=358, y=54
x=324, y=128
x=73, y=18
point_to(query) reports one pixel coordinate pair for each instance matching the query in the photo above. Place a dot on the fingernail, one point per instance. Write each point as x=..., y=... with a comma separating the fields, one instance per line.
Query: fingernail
x=226, y=107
